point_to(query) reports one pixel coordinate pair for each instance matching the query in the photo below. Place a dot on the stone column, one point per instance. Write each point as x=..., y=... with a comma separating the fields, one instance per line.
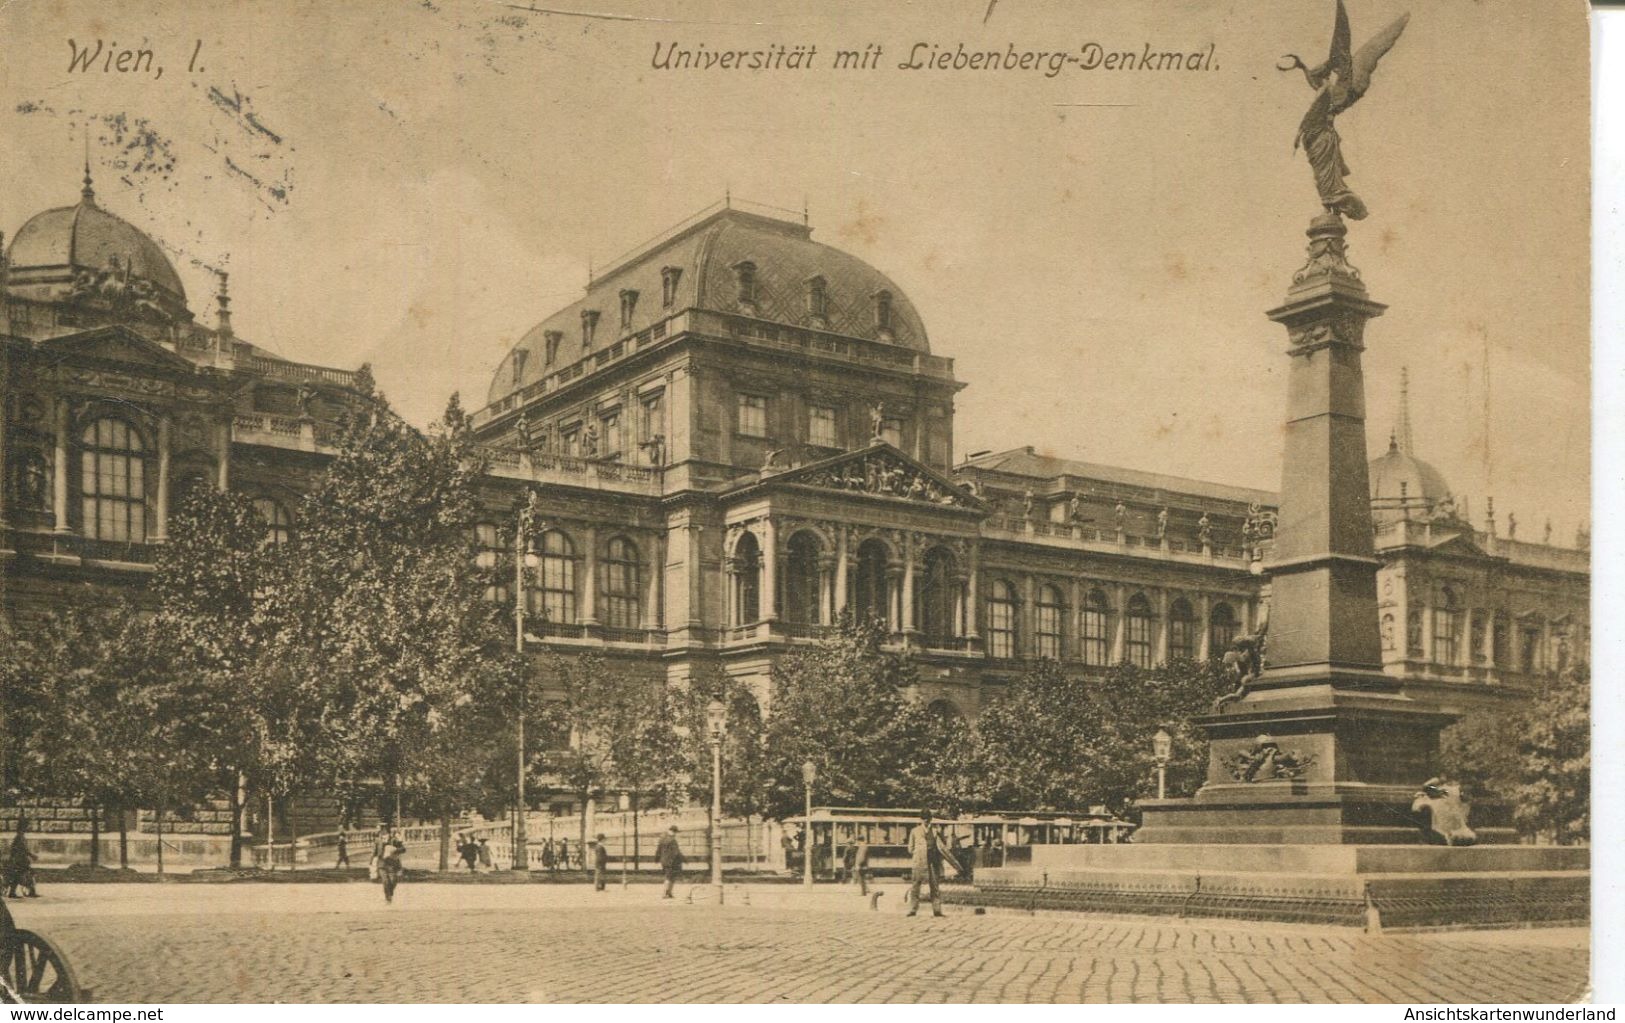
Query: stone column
x=223, y=457
x=973, y=594
x=1204, y=627
x=1027, y=619
x=770, y=571
x=1489, y=637
x=961, y=604
x=841, y=557
x=894, y=576
x=1159, y=653
x=696, y=574
x=657, y=569
x=59, y=470
x=589, y=578
x=160, y=528
x=826, y=589
x=1119, y=619
x=907, y=596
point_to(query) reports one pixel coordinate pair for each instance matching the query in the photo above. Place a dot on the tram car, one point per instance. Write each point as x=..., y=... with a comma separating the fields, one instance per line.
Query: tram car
x=988, y=839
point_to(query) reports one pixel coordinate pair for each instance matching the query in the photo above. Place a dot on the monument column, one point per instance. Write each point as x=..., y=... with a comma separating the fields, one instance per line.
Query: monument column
x=1319, y=746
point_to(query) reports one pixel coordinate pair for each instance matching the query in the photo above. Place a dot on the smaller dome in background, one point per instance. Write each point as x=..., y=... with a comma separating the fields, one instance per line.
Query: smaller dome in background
x=1401, y=483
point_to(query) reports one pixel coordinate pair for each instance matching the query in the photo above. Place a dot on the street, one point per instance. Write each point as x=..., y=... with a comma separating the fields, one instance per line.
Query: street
x=500, y=943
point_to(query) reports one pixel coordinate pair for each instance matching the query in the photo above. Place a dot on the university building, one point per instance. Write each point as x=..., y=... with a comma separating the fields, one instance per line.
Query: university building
x=738, y=433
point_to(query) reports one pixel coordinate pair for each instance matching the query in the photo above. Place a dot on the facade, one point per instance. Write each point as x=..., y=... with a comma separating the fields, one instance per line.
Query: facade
x=738, y=434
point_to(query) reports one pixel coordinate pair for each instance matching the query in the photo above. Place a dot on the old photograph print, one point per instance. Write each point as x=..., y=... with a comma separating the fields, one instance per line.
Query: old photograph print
x=961, y=501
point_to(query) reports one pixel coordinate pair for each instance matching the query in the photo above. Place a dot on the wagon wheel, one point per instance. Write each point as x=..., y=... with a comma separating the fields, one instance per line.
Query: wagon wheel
x=34, y=970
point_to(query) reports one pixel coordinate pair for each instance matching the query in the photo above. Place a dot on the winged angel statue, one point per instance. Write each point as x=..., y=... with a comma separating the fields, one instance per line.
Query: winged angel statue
x=1338, y=83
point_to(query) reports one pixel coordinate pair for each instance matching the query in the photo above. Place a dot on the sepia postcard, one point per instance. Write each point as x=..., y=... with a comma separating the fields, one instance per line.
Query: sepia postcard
x=636, y=501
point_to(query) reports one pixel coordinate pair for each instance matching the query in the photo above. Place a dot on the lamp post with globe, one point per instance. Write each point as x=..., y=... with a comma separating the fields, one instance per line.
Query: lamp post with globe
x=1162, y=749
x=809, y=774
x=716, y=720
x=524, y=557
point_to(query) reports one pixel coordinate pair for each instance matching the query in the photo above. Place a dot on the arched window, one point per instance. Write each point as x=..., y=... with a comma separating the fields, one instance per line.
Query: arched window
x=1137, y=632
x=1222, y=625
x=747, y=580
x=801, y=579
x=1096, y=647
x=1388, y=631
x=1181, y=630
x=1051, y=613
x=556, y=601
x=1529, y=645
x=869, y=600
x=488, y=557
x=621, y=594
x=113, y=482
x=1446, y=623
x=935, y=598
x=278, y=523
x=1001, y=619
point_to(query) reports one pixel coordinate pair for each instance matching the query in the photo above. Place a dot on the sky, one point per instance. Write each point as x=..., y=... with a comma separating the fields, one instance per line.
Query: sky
x=416, y=184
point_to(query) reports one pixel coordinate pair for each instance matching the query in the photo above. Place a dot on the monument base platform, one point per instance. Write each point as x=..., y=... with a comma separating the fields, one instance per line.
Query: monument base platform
x=1374, y=887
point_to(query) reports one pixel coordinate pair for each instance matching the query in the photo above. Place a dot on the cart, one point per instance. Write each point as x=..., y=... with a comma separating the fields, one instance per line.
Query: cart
x=32, y=969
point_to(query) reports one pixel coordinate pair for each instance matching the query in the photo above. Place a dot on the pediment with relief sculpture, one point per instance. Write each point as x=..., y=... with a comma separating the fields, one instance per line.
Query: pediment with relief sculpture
x=879, y=470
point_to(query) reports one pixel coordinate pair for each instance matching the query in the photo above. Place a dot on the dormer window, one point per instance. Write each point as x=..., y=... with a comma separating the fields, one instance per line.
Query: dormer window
x=669, y=276
x=519, y=357
x=745, y=275
x=589, y=327
x=629, y=303
x=818, y=300
x=883, y=314
x=550, y=341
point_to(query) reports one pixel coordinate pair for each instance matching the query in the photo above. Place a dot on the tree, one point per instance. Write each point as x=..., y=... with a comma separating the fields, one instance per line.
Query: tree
x=843, y=704
x=207, y=581
x=1062, y=742
x=1534, y=754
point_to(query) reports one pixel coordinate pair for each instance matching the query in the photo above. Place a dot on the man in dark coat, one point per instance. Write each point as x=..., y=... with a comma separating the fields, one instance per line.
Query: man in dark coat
x=926, y=855
x=387, y=851
x=20, y=864
x=600, y=862
x=670, y=856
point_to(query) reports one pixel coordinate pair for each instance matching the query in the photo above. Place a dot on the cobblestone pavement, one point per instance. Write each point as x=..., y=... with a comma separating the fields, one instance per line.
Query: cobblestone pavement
x=320, y=943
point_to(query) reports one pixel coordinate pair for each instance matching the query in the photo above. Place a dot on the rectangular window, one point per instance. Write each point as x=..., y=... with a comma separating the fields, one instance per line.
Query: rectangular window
x=821, y=426
x=551, y=339
x=1478, y=631
x=753, y=415
x=1137, y=641
x=1049, y=631
x=570, y=441
x=1181, y=638
x=1444, y=636
x=1094, y=637
x=1413, y=633
x=610, y=431
x=891, y=431
x=1529, y=655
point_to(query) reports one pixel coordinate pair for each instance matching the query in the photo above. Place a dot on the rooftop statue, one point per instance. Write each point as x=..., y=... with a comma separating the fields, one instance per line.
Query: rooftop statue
x=1338, y=83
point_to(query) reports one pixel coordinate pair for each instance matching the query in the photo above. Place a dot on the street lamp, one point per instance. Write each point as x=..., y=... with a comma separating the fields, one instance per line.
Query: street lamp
x=716, y=722
x=809, y=774
x=524, y=556
x=1162, y=747
x=626, y=804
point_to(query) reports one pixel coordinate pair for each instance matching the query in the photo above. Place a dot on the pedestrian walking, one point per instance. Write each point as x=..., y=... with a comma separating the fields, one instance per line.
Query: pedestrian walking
x=387, y=852
x=549, y=863
x=344, y=850
x=20, y=864
x=926, y=854
x=485, y=853
x=859, y=867
x=469, y=851
x=564, y=854
x=600, y=862
x=788, y=844
x=670, y=855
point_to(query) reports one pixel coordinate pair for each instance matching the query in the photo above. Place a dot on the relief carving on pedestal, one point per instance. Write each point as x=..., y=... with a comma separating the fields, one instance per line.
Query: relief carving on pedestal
x=1267, y=761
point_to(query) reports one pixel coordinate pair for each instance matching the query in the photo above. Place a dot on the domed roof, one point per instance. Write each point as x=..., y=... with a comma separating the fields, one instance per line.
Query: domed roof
x=86, y=237
x=708, y=257
x=1399, y=475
